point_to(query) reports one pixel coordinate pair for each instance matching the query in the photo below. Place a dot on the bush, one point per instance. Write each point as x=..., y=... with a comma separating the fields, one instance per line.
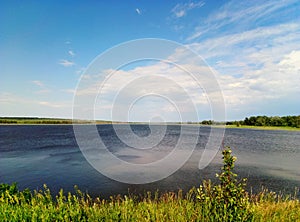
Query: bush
x=227, y=201
x=12, y=195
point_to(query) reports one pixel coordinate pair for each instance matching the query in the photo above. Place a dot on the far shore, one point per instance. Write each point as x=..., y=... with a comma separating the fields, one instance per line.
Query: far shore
x=286, y=128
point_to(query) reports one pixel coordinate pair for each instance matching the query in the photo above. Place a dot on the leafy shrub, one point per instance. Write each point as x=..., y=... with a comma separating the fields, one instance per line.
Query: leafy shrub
x=227, y=201
x=12, y=195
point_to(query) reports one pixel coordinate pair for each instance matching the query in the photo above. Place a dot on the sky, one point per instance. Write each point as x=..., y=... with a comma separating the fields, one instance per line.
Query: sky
x=251, y=47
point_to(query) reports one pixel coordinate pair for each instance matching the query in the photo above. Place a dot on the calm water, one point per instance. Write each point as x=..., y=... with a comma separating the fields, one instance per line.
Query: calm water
x=34, y=155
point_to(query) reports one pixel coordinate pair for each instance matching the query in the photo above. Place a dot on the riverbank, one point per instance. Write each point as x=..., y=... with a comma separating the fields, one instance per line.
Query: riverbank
x=285, y=128
x=151, y=207
x=42, y=121
x=263, y=127
x=46, y=121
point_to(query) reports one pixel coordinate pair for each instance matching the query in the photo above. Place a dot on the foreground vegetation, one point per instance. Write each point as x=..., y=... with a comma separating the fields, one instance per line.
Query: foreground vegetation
x=225, y=201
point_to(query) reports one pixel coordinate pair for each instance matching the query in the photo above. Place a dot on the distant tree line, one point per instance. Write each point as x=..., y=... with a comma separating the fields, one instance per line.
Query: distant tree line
x=6, y=121
x=33, y=120
x=207, y=122
x=291, y=121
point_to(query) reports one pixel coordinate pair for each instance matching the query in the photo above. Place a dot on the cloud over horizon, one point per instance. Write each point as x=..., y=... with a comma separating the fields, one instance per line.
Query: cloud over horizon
x=66, y=63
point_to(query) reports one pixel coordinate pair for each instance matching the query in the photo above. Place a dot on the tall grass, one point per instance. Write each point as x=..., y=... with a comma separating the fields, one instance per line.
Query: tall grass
x=225, y=201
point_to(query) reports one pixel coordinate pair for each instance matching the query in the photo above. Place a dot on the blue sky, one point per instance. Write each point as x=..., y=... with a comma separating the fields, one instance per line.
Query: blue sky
x=253, y=47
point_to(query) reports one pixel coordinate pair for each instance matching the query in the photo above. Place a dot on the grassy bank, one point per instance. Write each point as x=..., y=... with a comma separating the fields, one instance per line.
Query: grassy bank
x=225, y=201
x=57, y=121
x=167, y=207
x=33, y=120
x=263, y=127
x=46, y=121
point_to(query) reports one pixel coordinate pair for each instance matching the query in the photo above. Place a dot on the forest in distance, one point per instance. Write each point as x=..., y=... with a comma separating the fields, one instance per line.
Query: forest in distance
x=288, y=121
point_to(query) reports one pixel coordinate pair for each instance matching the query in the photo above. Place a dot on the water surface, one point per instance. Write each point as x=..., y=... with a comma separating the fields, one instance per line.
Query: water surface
x=33, y=155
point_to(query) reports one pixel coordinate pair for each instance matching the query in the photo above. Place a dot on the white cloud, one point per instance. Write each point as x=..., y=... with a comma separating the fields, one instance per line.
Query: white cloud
x=241, y=15
x=255, y=60
x=161, y=80
x=138, y=11
x=66, y=63
x=43, y=91
x=291, y=62
x=10, y=104
x=6, y=97
x=80, y=71
x=42, y=88
x=38, y=83
x=247, y=41
x=179, y=13
x=71, y=53
x=254, y=68
x=13, y=98
x=51, y=104
x=243, y=84
x=71, y=91
x=275, y=80
x=181, y=10
x=271, y=82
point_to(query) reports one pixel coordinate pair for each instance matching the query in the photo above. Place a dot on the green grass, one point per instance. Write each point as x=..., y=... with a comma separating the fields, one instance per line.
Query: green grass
x=166, y=207
x=264, y=127
x=33, y=120
x=277, y=211
x=225, y=201
x=54, y=121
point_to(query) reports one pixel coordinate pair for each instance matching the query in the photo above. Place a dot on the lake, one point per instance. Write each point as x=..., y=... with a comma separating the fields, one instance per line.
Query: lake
x=33, y=155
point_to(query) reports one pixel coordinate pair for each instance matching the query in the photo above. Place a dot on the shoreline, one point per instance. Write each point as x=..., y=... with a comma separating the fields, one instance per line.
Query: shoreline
x=277, y=128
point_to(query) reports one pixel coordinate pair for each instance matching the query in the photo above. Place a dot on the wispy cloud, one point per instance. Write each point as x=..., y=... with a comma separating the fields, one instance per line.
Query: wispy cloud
x=291, y=61
x=11, y=99
x=42, y=89
x=50, y=104
x=180, y=10
x=10, y=103
x=38, y=83
x=159, y=92
x=236, y=15
x=80, y=71
x=248, y=41
x=71, y=53
x=71, y=91
x=256, y=88
x=6, y=97
x=66, y=63
x=256, y=60
x=138, y=11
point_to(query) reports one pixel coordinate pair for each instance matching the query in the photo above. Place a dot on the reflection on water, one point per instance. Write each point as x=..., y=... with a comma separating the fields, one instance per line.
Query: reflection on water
x=46, y=154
